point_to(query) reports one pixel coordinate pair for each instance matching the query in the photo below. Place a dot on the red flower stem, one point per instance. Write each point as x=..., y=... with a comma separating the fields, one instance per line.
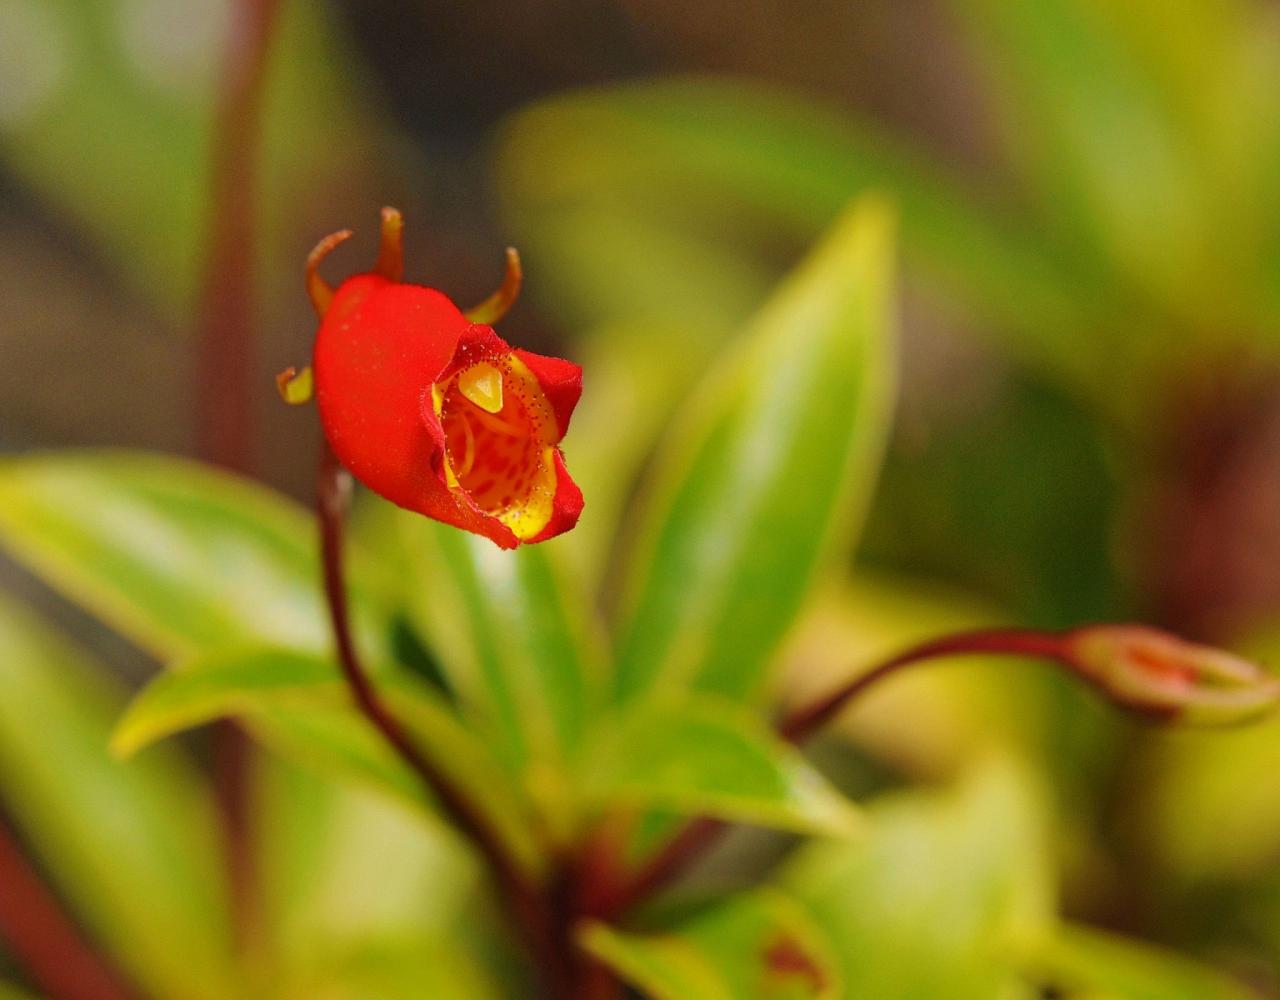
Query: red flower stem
x=700, y=835
x=224, y=374
x=41, y=937
x=527, y=905
x=804, y=721
x=598, y=982
x=609, y=899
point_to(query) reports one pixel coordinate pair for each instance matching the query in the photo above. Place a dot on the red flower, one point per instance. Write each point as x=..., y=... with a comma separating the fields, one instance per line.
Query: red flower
x=430, y=408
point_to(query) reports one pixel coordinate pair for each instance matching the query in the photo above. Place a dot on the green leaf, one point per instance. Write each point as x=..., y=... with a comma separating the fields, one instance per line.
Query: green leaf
x=628, y=396
x=334, y=741
x=762, y=483
x=1127, y=175
x=134, y=849
x=510, y=631
x=402, y=970
x=1080, y=962
x=1202, y=810
x=298, y=701
x=937, y=900
x=761, y=945
x=223, y=684
x=177, y=556
x=709, y=758
x=736, y=163
x=362, y=898
x=8, y=991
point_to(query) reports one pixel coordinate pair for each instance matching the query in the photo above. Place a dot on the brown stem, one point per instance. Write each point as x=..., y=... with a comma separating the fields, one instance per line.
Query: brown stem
x=224, y=374
x=597, y=982
x=528, y=907
x=692, y=841
x=232, y=754
x=700, y=835
x=44, y=940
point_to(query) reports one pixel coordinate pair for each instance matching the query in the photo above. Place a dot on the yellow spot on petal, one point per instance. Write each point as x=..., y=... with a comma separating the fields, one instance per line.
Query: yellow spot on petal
x=482, y=385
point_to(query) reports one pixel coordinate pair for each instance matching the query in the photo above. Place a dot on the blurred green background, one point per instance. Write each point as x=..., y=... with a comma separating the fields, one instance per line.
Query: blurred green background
x=1088, y=421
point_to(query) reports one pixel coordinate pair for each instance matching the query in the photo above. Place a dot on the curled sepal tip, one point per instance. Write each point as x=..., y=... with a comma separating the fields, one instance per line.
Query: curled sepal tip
x=1165, y=676
x=391, y=247
x=496, y=305
x=295, y=387
x=319, y=290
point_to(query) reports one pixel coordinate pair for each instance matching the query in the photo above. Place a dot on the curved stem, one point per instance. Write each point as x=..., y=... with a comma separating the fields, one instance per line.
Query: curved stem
x=527, y=905
x=804, y=721
x=690, y=842
x=700, y=835
x=49, y=946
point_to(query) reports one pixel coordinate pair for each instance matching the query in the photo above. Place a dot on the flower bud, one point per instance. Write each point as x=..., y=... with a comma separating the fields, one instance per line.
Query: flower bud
x=1159, y=674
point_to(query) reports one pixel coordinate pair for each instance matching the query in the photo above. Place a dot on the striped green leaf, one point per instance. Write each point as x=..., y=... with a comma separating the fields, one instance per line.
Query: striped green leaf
x=133, y=848
x=298, y=702
x=1081, y=962
x=764, y=480
x=510, y=632
x=177, y=556
x=756, y=945
x=942, y=896
x=363, y=898
x=708, y=757
x=673, y=165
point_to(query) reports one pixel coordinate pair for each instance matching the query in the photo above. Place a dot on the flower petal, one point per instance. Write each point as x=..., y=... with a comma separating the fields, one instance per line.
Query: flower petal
x=380, y=346
x=561, y=381
x=566, y=506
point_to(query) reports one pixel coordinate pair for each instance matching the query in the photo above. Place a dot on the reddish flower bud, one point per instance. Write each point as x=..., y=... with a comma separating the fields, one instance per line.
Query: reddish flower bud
x=1157, y=673
x=437, y=413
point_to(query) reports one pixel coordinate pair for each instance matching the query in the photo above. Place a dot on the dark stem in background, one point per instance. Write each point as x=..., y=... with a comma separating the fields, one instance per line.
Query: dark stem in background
x=224, y=374
x=597, y=982
x=529, y=908
x=225, y=369
x=698, y=836
x=59, y=961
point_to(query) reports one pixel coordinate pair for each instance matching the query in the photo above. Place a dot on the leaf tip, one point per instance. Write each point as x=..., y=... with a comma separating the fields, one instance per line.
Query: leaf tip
x=127, y=739
x=122, y=746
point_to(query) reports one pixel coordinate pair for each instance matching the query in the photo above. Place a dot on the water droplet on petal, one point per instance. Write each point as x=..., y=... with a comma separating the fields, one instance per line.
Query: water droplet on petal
x=482, y=385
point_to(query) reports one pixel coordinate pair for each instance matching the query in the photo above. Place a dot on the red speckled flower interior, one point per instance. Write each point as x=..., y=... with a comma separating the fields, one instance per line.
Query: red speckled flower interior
x=499, y=435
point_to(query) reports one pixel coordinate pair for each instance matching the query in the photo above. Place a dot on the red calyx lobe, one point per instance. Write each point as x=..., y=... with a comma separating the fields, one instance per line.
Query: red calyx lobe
x=387, y=362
